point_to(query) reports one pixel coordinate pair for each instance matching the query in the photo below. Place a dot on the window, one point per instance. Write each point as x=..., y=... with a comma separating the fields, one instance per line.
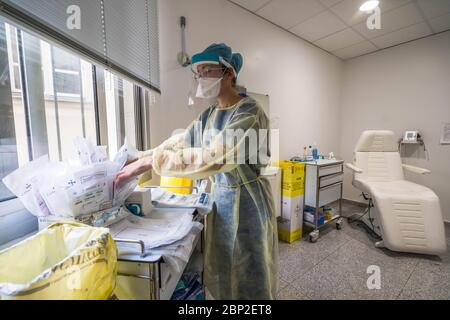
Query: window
x=67, y=71
x=57, y=108
x=13, y=51
x=120, y=111
x=8, y=142
x=50, y=95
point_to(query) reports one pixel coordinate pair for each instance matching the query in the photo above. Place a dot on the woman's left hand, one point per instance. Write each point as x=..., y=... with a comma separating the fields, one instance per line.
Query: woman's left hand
x=132, y=170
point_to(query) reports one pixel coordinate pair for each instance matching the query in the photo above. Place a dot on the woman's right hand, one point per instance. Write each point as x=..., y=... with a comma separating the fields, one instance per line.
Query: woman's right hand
x=132, y=170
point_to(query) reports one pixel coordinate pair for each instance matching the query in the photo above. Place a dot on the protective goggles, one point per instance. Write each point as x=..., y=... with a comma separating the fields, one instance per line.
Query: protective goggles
x=208, y=72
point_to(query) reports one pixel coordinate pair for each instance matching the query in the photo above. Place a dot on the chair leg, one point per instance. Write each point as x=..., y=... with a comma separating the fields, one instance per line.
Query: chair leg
x=379, y=244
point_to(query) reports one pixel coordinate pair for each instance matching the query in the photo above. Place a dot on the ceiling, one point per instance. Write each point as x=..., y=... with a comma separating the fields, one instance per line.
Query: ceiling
x=339, y=27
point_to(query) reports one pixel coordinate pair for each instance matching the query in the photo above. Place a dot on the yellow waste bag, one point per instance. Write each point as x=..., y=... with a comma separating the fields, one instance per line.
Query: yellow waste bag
x=67, y=260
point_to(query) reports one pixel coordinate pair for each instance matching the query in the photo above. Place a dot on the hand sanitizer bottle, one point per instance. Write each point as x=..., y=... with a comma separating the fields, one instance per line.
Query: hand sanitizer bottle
x=315, y=152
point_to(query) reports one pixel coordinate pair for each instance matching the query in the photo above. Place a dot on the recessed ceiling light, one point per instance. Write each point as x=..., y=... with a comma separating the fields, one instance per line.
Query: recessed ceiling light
x=369, y=5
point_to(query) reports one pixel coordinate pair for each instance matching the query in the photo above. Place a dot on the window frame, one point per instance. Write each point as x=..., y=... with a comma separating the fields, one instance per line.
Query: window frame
x=15, y=221
x=13, y=206
x=12, y=64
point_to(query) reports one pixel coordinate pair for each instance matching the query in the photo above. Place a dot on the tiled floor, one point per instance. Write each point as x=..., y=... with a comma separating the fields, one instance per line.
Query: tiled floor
x=335, y=267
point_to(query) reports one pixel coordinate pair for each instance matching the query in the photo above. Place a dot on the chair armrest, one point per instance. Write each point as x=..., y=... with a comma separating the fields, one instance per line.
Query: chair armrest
x=353, y=168
x=415, y=169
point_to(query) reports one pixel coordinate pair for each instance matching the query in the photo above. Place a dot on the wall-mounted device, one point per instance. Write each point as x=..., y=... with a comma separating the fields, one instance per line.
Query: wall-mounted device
x=183, y=58
x=411, y=137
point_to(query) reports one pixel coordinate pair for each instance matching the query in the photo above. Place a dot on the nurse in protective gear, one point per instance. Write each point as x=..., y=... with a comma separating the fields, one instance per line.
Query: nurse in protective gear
x=227, y=143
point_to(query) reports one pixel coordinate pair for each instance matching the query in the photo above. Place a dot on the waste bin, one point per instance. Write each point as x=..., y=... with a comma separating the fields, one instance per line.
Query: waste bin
x=175, y=185
x=67, y=260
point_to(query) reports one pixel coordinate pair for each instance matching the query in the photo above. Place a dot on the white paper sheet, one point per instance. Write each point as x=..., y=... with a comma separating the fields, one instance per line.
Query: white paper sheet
x=154, y=232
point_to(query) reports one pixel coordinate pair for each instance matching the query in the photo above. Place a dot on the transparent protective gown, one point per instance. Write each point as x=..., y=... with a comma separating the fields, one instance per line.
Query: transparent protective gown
x=229, y=145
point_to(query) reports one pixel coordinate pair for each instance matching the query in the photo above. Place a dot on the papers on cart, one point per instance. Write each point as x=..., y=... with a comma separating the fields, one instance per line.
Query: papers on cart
x=178, y=253
x=155, y=232
x=171, y=237
x=165, y=199
x=180, y=249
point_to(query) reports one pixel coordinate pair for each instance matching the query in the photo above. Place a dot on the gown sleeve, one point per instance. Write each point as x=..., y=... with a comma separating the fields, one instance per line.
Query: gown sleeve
x=237, y=143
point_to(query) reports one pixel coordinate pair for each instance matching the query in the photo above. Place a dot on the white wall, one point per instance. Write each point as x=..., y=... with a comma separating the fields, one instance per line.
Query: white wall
x=402, y=88
x=303, y=82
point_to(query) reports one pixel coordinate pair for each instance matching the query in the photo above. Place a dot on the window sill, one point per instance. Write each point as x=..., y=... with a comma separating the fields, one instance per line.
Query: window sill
x=15, y=241
x=15, y=222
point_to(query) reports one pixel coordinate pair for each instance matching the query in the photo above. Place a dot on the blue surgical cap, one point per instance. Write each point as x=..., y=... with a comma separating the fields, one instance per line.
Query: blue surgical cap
x=219, y=54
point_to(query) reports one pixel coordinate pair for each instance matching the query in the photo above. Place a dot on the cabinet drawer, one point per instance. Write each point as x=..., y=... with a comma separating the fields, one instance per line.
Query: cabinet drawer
x=329, y=194
x=327, y=170
x=330, y=179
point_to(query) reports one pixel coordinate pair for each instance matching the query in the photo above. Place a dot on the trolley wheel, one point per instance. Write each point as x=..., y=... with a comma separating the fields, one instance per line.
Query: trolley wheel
x=339, y=223
x=314, y=236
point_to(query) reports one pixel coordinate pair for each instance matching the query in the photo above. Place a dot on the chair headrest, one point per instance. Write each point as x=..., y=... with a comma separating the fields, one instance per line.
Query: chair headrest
x=377, y=141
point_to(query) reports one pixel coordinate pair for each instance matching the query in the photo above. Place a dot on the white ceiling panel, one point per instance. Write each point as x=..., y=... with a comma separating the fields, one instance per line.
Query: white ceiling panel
x=355, y=50
x=251, y=5
x=339, y=40
x=387, y=5
x=319, y=26
x=441, y=23
x=348, y=10
x=339, y=27
x=288, y=13
x=407, y=34
x=434, y=8
x=330, y=3
x=393, y=20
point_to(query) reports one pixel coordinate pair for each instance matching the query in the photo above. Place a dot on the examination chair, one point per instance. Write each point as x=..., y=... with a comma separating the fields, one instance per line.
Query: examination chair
x=407, y=215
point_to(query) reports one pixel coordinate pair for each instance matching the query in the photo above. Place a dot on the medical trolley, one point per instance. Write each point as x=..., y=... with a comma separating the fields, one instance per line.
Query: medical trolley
x=146, y=276
x=323, y=185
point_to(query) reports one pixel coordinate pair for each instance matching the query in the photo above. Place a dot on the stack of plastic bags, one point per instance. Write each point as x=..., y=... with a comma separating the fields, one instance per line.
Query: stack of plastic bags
x=75, y=189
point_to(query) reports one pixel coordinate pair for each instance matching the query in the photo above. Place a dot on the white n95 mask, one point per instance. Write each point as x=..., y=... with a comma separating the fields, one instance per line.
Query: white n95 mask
x=208, y=88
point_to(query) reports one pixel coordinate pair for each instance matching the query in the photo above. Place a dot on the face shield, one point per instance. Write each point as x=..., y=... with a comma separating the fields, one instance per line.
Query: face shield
x=206, y=83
